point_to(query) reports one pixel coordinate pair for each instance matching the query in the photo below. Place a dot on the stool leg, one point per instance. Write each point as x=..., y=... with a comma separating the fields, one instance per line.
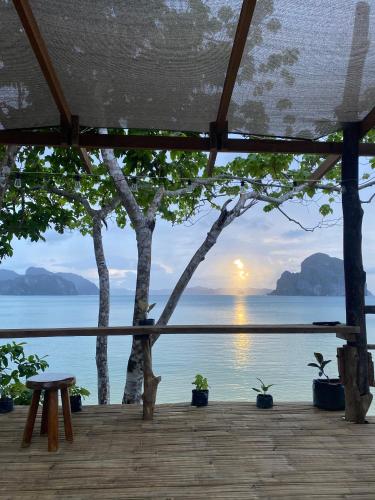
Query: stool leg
x=67, y=414
x=29, y=427
x=53, y=422
x=44, y=425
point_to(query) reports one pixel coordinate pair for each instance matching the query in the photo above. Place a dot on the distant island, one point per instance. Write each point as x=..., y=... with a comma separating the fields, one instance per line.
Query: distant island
x=200, y=290
x=321, y=275
x=39, y=281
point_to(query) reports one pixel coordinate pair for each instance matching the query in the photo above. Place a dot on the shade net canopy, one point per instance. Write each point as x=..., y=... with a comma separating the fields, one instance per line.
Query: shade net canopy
x=307, y=66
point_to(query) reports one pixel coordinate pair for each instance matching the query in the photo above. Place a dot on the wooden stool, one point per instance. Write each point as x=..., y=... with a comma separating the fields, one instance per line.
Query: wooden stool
x=50, y=383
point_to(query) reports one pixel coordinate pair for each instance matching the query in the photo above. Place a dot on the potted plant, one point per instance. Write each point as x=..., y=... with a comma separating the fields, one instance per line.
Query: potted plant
x=264, y=400
x=328, y=394
x=14, y=365
x=75, y=395
x=200, y=393
x=147, y=308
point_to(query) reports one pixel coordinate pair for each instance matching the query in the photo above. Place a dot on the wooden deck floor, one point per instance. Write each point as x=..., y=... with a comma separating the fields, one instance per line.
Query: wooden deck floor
x=229, y=450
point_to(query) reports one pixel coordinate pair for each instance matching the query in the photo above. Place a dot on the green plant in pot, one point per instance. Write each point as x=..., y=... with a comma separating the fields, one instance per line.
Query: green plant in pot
x=328, y=394
x=147, y=308
x=264, y=400
x=14, y=366
x=200, y=393
x=76, y=394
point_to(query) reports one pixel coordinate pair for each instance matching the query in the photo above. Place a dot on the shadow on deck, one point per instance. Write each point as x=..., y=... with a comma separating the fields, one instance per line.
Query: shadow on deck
x=227, y=450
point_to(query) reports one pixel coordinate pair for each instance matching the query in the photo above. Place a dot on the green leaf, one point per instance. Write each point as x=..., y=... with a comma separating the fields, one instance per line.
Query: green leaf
x=318, y=357
x=314, y=365
x=255, y=389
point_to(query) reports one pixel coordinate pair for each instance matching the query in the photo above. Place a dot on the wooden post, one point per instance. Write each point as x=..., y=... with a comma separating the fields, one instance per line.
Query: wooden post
x=150, y=382
x=354, y=354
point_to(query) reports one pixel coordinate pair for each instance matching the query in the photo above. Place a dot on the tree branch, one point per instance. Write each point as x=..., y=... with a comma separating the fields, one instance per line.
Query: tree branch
x=127, y=198
x=155, y=204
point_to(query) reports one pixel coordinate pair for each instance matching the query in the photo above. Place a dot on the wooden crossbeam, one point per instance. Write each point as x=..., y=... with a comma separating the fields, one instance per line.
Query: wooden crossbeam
x=92, y=140
x=176, y=330
x=40, y=50
x=369, y=309
x=242, y=31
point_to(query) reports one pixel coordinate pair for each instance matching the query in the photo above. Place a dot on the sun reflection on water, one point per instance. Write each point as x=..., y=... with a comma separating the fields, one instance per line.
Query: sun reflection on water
x=242, y=341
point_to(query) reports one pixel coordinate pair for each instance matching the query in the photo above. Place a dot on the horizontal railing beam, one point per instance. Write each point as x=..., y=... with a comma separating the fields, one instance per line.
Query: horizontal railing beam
x=176, y=329
x=369, y=309
x=197, y=143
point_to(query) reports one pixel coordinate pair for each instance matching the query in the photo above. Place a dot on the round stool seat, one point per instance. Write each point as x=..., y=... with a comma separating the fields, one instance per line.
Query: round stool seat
x=49, y=380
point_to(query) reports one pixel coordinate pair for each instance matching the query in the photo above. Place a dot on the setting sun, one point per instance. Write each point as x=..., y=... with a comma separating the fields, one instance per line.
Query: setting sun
x=242, y=273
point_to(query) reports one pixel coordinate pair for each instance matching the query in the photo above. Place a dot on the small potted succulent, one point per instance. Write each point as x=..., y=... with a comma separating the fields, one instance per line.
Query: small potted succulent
x=328, y=394
x=264, y=400
x=15, y=365
x=75, y=395
x=200, y=393
x=147, y=308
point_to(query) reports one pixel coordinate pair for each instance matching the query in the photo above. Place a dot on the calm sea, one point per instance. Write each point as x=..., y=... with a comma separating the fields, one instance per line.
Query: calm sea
x=230, y=362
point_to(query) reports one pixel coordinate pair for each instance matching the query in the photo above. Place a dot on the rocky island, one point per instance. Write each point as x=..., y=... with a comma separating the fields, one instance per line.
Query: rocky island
x=321, y=275
x=39, y=281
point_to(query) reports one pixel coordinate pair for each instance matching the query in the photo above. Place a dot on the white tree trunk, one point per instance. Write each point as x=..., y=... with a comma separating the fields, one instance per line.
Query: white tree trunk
x=134, y=372
x=6, y=165
x=103, y=316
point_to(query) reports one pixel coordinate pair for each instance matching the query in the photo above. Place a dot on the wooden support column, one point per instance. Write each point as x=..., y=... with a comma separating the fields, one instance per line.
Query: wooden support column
x=354, y=356
x=150, y=382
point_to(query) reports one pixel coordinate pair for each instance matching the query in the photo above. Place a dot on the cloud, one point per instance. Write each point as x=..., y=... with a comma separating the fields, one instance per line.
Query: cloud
x=165, y=267
x=294, y=234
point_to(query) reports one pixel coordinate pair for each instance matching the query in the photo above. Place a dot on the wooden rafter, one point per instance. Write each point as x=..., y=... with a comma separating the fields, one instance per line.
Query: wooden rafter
x=40, y=50
x=93, y=140
x=242, y=31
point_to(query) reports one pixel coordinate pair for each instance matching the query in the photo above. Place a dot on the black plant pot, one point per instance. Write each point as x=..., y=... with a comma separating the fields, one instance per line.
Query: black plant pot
x=199, y=398
x=76, y=403
x=328, y=394
x=146, y=322
x=264, y=401
x=6, y=405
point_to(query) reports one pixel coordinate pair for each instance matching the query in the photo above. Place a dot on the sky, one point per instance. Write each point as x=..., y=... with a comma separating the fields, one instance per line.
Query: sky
x=252, y=252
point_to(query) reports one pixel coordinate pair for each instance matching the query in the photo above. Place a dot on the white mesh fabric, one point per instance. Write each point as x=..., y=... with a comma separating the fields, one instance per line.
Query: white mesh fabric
x=161, y=64
x=25, y=100
x=307, y=66
x=140, y=63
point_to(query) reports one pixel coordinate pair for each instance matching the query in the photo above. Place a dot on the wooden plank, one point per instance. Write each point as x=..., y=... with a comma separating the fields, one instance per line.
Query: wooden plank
x=41, y=53
x=239, y=42
x=371, y=347
x=228, y=450
x=92, y=140
x=176, y=330
x=40, y=50
x=369, y=309
x=243, y=26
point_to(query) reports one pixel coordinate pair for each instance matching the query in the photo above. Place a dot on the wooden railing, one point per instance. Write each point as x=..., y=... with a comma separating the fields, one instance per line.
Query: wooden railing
x=151, y=382
x=341, y=331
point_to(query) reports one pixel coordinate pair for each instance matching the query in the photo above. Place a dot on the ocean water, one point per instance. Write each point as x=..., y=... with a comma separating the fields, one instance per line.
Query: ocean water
x=230, y=362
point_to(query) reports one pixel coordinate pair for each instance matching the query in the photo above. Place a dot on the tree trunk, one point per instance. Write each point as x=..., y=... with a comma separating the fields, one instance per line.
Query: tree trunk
x=6, y=165
x=103, y=317
x=357, y=393
x=134, y=373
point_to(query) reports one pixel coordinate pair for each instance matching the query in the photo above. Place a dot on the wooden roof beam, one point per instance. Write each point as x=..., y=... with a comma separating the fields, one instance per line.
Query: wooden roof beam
x=239, y=42
x=93, y=140
x=40, y=50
